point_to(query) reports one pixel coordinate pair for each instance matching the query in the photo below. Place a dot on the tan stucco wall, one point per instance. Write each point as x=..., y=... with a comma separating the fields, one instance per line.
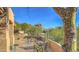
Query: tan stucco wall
x=11, y=27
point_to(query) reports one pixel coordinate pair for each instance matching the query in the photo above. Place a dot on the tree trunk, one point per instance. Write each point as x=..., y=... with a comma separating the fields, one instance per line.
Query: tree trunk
x=69, y=17
x=70, y=31
x=73, y=24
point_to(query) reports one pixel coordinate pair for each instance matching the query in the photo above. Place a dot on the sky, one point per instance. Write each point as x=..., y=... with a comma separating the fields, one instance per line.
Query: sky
x=39, y=15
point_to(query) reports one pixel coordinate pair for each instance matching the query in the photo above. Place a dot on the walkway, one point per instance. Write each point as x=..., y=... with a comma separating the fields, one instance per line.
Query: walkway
x=28, y=47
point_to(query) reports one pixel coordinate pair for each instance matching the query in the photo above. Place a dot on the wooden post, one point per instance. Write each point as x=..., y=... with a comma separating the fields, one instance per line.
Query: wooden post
x=7, y=40
x=11, y=28
x=7, y=34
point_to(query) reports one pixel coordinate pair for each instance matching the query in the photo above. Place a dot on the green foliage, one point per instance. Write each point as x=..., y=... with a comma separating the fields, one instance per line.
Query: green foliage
x=34, y=30
x=28, y=28
x=17, y=26
x=78, y=37
x=57, y=34
x=25, y=26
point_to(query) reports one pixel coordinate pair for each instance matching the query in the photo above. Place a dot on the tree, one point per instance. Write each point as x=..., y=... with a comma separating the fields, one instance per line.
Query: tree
x=17, y=26
x=25, y=26
x=69, y=18
x=78, y=36
x=35, y=30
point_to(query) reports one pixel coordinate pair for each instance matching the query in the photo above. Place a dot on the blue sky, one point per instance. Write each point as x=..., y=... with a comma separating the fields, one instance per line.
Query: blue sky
x=39, y=15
